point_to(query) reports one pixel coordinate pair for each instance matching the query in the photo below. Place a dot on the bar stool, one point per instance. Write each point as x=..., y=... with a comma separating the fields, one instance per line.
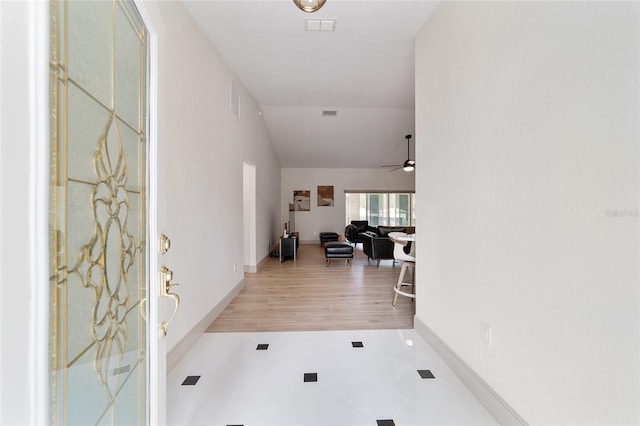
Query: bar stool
x=404, y=250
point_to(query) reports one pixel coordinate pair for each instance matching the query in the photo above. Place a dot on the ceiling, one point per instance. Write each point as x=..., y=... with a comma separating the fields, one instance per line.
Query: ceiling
x=364, y=70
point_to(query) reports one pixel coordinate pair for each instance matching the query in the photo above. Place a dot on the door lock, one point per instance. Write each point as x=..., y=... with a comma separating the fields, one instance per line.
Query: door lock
x=164, y=244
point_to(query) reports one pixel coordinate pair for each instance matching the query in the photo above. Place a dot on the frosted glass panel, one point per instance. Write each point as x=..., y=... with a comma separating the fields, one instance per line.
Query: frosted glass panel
x=87, y=123
x=98, y=214
x=79, y=202
x=86, y=406
x=90, y=47
x=128, y=63
x=131, y=146
x=79, y=338
x=128, y=402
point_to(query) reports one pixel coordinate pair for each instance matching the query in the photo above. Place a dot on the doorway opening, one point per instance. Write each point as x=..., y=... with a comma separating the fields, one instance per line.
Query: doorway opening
x=249, y=216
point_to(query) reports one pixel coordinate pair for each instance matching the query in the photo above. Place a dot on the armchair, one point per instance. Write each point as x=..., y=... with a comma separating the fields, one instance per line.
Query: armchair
x=355, y=230
x=378, y=245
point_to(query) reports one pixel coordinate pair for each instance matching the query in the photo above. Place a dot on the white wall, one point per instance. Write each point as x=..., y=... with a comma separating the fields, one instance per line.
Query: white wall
x=332, y=218
x=528, y=201
x=258, y=151
x=24, y=272
x=15, y=242
x=201, y=148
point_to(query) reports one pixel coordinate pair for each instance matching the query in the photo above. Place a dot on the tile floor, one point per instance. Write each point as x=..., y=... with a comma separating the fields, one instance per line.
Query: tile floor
x=324, y=378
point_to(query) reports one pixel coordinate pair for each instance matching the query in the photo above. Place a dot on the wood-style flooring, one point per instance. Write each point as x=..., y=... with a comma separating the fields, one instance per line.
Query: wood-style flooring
x=307, y=295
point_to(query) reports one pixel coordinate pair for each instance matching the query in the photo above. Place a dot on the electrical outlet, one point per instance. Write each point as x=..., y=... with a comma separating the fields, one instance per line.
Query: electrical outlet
x=235, y=268
x=485, y=334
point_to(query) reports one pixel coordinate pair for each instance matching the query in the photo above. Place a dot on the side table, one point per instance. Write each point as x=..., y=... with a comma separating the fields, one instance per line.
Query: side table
x=288, y=248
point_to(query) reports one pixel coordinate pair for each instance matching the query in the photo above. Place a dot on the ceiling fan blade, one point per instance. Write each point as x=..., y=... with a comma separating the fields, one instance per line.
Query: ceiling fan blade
x=392, y=165
x=396, y=168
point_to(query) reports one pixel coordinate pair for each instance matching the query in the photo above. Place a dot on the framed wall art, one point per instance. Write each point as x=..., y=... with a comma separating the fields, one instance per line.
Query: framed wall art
x=325, y=195
x=302, y=200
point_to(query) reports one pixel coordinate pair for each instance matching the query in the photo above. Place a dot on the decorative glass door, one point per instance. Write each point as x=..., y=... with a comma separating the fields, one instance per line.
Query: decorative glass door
x=98, y=220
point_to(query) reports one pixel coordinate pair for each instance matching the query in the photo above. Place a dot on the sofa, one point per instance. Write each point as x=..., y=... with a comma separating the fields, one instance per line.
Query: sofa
x=377, y=245
x=354, y=232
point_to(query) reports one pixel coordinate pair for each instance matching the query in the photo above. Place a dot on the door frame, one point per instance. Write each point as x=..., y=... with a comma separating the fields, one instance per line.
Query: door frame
x=157, y=351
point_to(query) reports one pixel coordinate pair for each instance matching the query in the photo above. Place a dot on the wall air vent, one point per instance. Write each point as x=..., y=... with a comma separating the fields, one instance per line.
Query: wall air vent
x=234, y=100
x=329, y=113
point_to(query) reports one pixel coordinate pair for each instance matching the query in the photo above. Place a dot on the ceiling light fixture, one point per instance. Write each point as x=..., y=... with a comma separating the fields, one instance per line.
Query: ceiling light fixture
x=409, y=165
x=309, y=6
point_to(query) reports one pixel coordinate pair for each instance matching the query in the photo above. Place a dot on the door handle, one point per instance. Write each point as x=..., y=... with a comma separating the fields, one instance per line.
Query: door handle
x=164, y=244
x=166, y=275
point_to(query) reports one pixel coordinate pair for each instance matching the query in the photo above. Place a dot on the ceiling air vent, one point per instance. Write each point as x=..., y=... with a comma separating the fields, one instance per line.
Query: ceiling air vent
x=320, y=24
x=329, y=113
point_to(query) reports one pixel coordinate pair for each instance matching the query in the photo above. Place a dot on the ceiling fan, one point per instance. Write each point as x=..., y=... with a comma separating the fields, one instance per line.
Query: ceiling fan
x=408, y=165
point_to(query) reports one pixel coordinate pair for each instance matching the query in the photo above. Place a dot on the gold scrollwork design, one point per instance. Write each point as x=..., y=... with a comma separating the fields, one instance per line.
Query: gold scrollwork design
x=105, y=261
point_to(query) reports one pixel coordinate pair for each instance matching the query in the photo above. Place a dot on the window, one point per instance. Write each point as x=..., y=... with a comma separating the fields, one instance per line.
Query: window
x=381, y=208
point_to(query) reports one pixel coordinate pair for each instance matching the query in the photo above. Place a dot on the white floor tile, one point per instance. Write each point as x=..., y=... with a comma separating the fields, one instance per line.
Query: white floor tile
x=356, y=386
x=377, y=385
x=312, y=404
x=437, y=403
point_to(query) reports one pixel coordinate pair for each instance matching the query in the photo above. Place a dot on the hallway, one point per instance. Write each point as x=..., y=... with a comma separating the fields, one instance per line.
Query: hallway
x=365, y=377
x=307, y=295
x=337, y=322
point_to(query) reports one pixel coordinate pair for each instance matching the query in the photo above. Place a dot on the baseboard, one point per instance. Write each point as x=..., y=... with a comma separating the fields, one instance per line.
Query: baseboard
x=264, y=260
x=253, y=269
x=183, y=346
x=498, y=407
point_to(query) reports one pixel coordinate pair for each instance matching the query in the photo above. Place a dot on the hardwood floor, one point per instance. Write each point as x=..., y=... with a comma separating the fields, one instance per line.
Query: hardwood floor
x=308, y=295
